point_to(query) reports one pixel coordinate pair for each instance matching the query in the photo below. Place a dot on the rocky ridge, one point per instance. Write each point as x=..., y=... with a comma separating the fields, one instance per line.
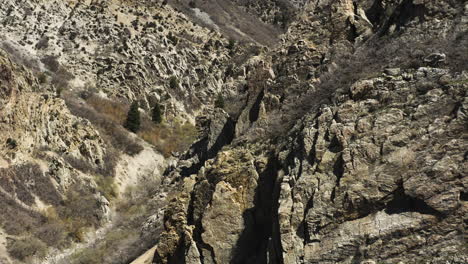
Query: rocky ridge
x=125, y=49
x=373, y=167
x=345, y=142
x=57, y=147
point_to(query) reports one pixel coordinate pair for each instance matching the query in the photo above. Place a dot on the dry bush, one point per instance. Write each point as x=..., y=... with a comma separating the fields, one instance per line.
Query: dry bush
x=15, y=180
x=87, y=256
x=103, y=176
x=112, y=131
x=116, y=111
x=53, y=233
x=55, y=227
x=16, y=220
x=51, y=63
x=108, y=245
x=168, y=138
x=79, y=212
x=79, y=164
x=59, y=74
x=124, y=242
x=107, y=186
x=110, y=158
x=23, y=249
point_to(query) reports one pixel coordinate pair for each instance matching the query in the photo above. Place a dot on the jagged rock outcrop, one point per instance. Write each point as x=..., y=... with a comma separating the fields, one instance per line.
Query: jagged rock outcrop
x=38, y=135
x=378, y=178
x=341, y=141
x=373, y=166
x=126, y=49
x=358, y=169
x=31, y=120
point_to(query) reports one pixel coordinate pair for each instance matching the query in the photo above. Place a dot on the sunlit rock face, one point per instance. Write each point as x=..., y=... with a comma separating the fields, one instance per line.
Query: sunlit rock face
x=329, y=131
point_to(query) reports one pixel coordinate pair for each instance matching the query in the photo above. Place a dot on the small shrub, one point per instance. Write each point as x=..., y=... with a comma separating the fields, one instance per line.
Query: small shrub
x=424, y=87
x=26, y=248
x=173, y=38
x=156, y=114
x=219, y=102
x=43, y=43
x=133, y=122
x=173, y=82
x=53, y=233
x=107, y=186
x=42, y=78
x=59, y=90
x=61, y=78
x=11, y=143
x=51, y=63
x=232, y=44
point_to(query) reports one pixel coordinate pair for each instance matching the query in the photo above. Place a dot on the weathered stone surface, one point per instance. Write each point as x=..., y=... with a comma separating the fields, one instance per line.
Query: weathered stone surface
x=375, y=173
x=343, y=143
x=223, y=222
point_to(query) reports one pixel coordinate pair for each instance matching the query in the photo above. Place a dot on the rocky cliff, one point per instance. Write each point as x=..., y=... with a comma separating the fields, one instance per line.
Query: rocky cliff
x=328, y=131
x=350, y=147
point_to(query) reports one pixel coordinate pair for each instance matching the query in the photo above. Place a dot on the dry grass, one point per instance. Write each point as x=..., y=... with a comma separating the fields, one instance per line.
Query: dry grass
x=108, y=122
x=168, y=137
x=125, y=241
x=115, y=111
x=15, y=181
x=57, y=226
x=25, y=249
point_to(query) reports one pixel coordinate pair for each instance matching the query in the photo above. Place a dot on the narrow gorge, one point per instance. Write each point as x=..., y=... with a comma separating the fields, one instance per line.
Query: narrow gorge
x=243, y=131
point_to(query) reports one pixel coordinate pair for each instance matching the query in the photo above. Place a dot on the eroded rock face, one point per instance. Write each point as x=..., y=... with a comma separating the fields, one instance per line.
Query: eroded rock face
x=373, y=167
x=343, y=143
x=33, y=120
x=368, y=179
x=125, y=49
x=369, y=168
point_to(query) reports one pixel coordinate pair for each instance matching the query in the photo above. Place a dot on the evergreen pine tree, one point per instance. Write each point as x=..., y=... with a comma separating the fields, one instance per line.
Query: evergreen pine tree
x=157, y=114
x=219, y=102
x=133, y=118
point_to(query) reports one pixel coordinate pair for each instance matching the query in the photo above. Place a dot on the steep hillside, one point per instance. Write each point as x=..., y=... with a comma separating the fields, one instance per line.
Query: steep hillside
x=125, y=49
x=246, y=21
x=276, y=131
x=69, y=171
x=350, y=148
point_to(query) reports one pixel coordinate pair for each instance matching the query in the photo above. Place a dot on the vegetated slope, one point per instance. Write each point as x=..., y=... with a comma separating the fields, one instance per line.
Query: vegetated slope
x=74, y=183
x=46, y=201
x=239, y=20
x=350, y=146
x=130, y=50
x=355, y=122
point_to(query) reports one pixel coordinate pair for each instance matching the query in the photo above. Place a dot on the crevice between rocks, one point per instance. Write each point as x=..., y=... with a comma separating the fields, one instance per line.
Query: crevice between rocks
x=464, y=196
x=260, y=238
x=402, y=203
x=255, y=109
x=224, y=138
